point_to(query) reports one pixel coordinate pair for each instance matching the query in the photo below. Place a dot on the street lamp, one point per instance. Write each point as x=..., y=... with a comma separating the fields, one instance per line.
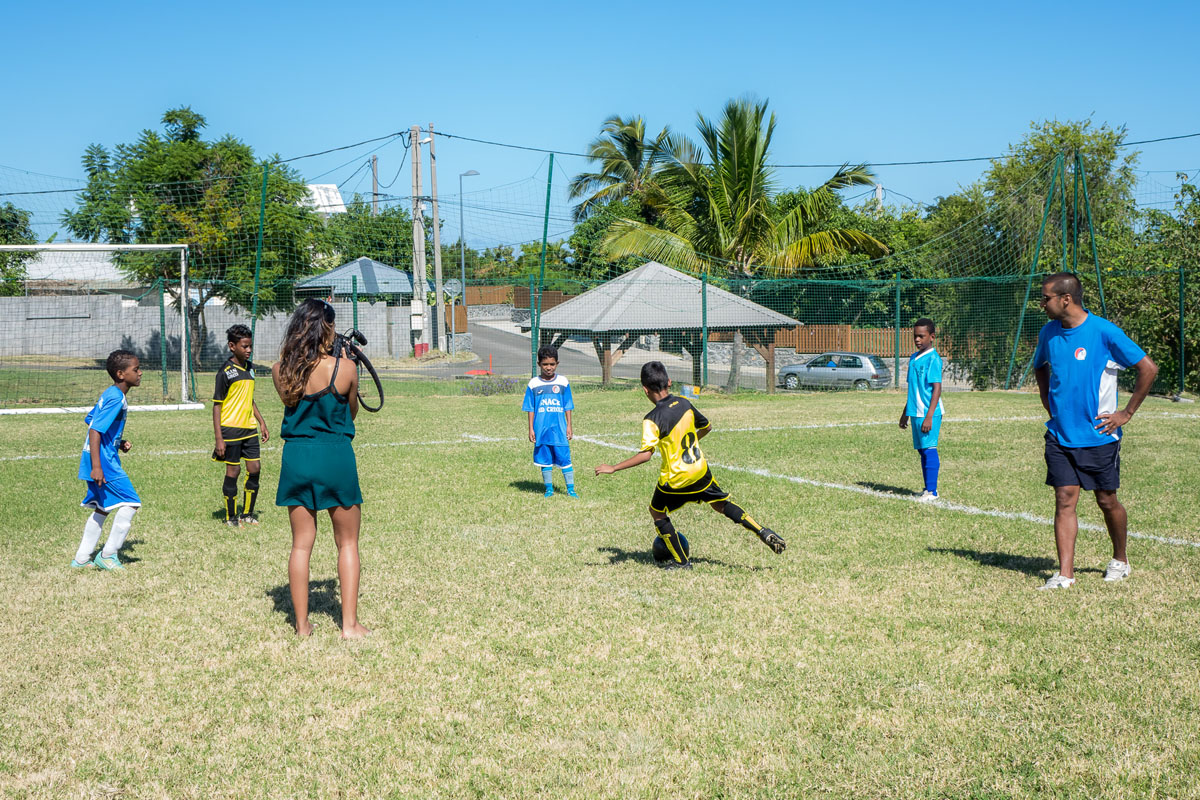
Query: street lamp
x=462, y=237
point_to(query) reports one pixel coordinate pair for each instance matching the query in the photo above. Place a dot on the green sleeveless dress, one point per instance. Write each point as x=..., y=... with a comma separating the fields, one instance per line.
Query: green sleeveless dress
x=318, y=470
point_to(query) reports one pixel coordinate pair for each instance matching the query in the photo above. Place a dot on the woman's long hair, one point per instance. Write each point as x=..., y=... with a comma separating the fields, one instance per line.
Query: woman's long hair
x=309, y=336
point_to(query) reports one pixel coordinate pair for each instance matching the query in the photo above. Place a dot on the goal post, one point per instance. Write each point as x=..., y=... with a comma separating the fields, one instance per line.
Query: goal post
x=65, y=307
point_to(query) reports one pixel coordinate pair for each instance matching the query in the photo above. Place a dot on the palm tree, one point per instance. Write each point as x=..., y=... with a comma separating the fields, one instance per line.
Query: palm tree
x=627, y=165
x=714, y=203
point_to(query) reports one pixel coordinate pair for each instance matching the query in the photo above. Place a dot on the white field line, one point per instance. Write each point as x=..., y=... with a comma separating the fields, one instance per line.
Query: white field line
x=86, y=409
x=941, y=504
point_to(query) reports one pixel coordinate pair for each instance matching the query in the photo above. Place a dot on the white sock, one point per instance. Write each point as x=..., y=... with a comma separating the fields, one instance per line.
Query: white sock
x=91, y=535
x=120, y=529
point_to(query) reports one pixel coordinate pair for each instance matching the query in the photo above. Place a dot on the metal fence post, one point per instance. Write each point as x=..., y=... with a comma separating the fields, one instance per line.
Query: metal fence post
x=162, y=332
x=1182, y=350
x=354, y=299
x=262, y=222
x=896, y=363
x=704, y=328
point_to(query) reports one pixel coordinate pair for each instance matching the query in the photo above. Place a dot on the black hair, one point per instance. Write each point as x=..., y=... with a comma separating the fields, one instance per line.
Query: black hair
x=654, y=376
x=927, y=324
x=238, y=332
x=1065, y=283
x=118, y=360
x=547, y=351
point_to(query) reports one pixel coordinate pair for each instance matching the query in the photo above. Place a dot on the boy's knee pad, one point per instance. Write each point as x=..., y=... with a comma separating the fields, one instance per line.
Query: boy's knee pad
x=734, y=512
x=251, y=482
x=229, y=487
x=665, y=526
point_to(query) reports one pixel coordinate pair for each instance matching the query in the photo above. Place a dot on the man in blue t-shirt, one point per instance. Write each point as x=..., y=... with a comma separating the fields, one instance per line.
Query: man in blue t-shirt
x=548, y=404
x=1076, y=363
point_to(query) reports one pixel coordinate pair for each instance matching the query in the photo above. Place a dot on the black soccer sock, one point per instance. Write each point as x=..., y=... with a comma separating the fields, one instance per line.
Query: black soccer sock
x=666, y=532
x=250, y=494
x=739, y=515
x=229, y=489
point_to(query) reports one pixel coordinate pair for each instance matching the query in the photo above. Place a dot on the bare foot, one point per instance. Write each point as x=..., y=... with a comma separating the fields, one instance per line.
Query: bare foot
x=355, y=631
x=305, y=630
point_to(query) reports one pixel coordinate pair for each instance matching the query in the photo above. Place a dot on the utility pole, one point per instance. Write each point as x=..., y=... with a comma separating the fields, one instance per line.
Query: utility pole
x=439, y=314
x=374, y=185
x=418, y=276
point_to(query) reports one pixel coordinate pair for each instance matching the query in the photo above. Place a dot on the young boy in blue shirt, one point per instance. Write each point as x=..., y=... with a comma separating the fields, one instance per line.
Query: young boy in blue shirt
x=924, y=404
x=548, y=404
x=108, y=487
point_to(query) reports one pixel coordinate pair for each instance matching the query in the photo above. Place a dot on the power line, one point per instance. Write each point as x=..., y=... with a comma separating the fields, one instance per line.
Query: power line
x=808, y=166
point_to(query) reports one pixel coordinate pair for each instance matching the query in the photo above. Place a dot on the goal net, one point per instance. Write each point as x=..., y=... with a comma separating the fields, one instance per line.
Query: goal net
x=65, y=307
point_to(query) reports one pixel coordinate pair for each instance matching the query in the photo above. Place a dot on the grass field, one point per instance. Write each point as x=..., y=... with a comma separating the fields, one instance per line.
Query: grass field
x=526, y=647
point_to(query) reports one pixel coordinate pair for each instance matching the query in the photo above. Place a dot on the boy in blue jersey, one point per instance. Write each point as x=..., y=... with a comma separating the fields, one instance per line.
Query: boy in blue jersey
x=1076, y=363
x=549, y=404
x=924, y=405
x=108, y=487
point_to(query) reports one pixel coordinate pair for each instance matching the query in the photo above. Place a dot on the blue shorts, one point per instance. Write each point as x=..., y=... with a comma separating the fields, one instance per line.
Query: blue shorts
x=552, y=455
x=1089, y=468
x=923, y=441
x=112, y=494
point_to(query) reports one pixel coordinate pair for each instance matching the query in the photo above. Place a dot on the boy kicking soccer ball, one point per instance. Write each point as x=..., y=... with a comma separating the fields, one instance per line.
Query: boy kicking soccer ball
x=548, y=404
x=923, y=408
x=674, y=428
x=234, y=418
x=108, y=487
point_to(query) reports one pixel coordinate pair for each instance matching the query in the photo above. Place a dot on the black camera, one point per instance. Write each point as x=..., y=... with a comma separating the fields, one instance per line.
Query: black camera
x=349, y=344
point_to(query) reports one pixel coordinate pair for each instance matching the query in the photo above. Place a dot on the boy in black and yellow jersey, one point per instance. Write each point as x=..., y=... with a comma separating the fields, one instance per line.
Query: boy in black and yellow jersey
x=674, y=428
x=234, y=417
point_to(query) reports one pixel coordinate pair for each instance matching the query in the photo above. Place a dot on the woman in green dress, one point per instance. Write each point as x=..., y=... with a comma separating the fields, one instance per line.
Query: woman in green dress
x=320, y=398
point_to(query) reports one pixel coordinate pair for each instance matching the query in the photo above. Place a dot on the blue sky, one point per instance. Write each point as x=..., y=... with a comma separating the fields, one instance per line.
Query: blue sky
x=849, y=82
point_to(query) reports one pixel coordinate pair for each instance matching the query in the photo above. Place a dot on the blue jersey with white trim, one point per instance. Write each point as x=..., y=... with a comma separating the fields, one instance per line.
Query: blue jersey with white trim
x=108, y=418
x=924, y=370
x=1084, y=362
x=549, y=401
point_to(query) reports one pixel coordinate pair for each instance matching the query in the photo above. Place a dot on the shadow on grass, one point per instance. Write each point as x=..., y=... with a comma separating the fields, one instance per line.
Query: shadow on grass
x=617, y=555
x=322, y=599
x=528, y=486
x=887, y=489
x=127, y=549
x=1039, y=566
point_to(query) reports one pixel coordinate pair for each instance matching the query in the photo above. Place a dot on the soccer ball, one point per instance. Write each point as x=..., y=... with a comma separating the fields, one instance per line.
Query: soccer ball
x=661, y=553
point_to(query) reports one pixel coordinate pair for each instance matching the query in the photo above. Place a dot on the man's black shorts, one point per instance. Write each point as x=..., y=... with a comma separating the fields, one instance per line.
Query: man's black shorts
x=1089, y=468
x=240, y=450
x=667, y=499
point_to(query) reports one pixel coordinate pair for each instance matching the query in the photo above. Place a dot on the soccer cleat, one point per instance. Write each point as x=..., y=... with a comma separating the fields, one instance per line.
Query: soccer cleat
x=772, y=540
x=928, y=497
x=549, y=492
x=77, y=565
x=107, y=562
x=1057, y=581
x=232, y=523
x=248, y=519
x=677, y=565
x=1117, y=571
x=571, y=491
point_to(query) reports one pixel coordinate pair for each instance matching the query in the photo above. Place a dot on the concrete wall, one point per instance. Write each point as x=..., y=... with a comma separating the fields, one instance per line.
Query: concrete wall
x=92, y=326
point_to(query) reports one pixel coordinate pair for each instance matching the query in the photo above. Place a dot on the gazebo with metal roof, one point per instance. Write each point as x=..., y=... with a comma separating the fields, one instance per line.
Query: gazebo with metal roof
x=657, y=299
x=370, y=278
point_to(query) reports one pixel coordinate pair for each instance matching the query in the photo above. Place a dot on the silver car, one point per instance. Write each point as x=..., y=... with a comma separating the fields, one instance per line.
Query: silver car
x=837, y=370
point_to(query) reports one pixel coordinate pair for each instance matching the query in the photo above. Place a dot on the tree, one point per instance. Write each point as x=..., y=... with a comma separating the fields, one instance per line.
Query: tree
x=628, y=164
x=178, y=188
x=715, y=202
x=14, y=229
x=385, y=237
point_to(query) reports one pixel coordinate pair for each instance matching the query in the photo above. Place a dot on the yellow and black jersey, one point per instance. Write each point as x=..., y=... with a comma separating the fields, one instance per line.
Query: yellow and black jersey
x=235, y=395
x=672, y=429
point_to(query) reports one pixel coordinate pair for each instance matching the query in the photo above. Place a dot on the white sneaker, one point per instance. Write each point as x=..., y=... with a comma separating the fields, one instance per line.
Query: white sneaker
x=927, y=497
x=1057, y=581
x=1117, y=571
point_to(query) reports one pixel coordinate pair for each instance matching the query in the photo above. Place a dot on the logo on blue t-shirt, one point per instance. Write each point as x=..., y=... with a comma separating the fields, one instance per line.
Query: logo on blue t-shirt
x=107, y=418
